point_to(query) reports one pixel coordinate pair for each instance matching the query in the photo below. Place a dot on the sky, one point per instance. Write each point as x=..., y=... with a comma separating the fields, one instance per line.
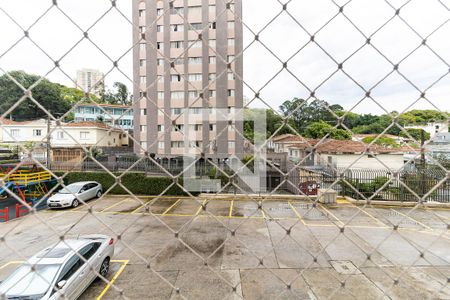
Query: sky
x=284, y=36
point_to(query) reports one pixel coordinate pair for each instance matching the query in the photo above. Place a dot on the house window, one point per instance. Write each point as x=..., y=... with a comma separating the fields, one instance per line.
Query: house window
x=144, y=145
x=176, y=78
x=212, y=93
x=230, y=93
x=160, y=95
x=160, y=145
x=160, y=128
x=176, y=111
x=60, y=135
x=160, y=62
x=212, y=25
x=195, y=77
x=212, y=9
x=160, y=28
x=212, y=76
x=231, y=145
x=230, y=58
x=230, y=42
x=230, y=24
x=143, y=128
x=159, y=11
x=212, y=127
x=195, y=60
x=212, y=43
x=195, y=10
x=141, y=12
x=231, y=76
x=143, y=79
x=212, y=59
x=177, y=95
x=197, y=127
x=159, y=45
x=15, y=132
x=143, y=112
x=142, y=47
x=37, y=132
x=177, y=11
x=193, y=94
x=178, y=127
x=84, y=135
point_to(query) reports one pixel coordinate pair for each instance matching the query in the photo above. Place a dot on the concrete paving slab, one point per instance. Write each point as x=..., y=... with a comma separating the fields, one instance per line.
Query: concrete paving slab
x=274, y=209
x=187, y=207
x=246, y=209
x=273, y=284
x=217, y=208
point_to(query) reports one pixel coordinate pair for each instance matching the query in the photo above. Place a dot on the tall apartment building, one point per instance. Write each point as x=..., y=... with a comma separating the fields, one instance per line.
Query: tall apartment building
x=189, y=59
x=90, y=80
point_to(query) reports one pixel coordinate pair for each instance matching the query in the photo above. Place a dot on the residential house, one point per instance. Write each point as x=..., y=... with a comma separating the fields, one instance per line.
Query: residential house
x=431, y=128
x=120, y=116
x=347, y=154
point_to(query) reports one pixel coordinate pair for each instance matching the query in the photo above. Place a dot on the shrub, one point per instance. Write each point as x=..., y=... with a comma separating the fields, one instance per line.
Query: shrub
x=136, y=183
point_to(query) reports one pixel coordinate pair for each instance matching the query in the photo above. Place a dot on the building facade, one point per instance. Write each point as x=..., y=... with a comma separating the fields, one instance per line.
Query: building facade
x=91, y=81
x=188, y=63
x=120, y=116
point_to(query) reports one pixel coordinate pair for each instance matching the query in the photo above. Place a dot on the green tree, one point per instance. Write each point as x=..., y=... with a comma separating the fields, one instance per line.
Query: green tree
x=46, y=93
x=416, y=133
x=118, y=95
x=318, y=130
x=382, y=141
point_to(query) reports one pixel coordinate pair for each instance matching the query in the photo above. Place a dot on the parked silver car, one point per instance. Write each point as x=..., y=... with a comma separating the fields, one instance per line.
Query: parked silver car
x=58, y=272
x=72, y=194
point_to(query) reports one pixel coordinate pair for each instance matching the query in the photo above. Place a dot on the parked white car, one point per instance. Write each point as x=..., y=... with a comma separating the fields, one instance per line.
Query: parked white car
x=72, y=194
x=59, y=271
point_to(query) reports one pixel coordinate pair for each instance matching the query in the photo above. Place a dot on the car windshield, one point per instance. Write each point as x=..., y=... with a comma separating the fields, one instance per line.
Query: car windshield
x=70, y=189
x=27, y=284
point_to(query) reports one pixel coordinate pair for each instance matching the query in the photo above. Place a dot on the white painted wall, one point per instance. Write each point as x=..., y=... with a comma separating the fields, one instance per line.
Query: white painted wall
x=392, y=161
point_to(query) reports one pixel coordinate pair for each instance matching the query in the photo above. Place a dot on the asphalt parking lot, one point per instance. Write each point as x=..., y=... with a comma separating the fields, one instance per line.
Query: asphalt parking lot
x=176, y=247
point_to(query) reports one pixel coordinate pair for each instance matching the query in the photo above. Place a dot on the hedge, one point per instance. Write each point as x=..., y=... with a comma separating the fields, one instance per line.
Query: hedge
x=137, y=183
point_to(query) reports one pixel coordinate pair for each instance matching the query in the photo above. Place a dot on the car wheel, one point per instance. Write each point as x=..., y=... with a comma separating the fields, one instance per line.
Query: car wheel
x=99, y=194
x=75, y=203
x=104, y=268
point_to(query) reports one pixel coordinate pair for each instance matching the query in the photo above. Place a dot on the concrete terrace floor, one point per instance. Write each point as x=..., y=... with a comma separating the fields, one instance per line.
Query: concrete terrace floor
x=231, y=249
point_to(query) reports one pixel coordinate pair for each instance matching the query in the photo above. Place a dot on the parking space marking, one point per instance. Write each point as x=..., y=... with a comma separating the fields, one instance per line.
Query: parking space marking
x=116, y=275
x=331, y=214
x=231, y=209
x=200, y=208
x=172, y=206
x=373, y=217
x=414, y=220
x=115, y=204
x=297, y=213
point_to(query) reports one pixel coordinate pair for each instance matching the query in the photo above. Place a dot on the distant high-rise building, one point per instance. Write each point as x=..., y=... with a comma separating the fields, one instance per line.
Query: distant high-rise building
x=91, y=81
x=189, y=59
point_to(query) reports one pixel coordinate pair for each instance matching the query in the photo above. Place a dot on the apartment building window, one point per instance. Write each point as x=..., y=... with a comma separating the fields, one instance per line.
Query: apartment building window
x=197, y=144
x=231, y=25
x=160, y=95
x=160, y=145
x=195, y=110
x=143, y=94
x=144, y=145
x=212, y=9
x=177, y=27
x=60, y=135
x=142, y=29
x=142, y=47
x=230, y=42
x=231, y=145
x=177, y=11
x=178, y=127
x=15, y=132
x=231, y=6
x=230, y=58
x=231, y=76
x=231, y=128
x=212, y=43
x=160, y=128
x=142, y=62
x=143, y=79
x=212, y=59
x=212, y=76
x=37, y=132
x=159, y=45
x=212, y=25
x=176, y=44
x=177, y=144
x=196, y=26
x=177, y=95
x=193, y=94
x=176, y=111
x=143, y=112
x=84, y=135
x=160, y=78
x=160, y=113
x=141, y=13
x=195, y=60
x=143, y=128
x=176, y=78
x=212, y=127
x=160, y=28
x=178, y=61
x=195, y=10
x=212, y=93
x=195, y=44
x=197, y=127
x=195, y=77
x=159, y=11
x=231, y=93
x=160, y=62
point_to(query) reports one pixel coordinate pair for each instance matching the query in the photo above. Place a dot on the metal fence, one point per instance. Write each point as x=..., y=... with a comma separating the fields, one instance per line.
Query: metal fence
x=226, y=245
